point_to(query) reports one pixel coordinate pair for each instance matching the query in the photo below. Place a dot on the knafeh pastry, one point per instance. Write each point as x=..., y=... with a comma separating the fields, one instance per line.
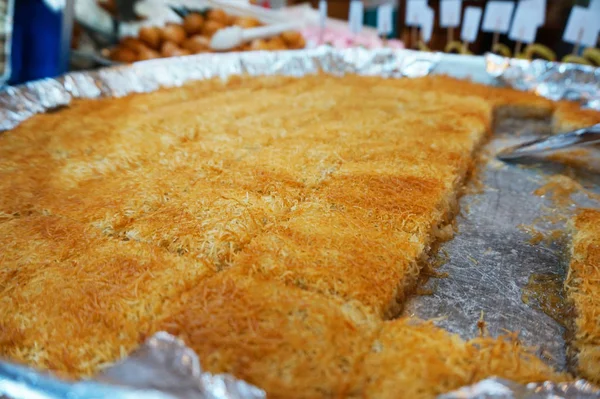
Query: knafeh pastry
x=276, y=224
x=583, y=289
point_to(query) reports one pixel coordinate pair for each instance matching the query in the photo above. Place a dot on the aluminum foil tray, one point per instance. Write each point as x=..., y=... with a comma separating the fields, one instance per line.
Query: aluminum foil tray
x=488, y=264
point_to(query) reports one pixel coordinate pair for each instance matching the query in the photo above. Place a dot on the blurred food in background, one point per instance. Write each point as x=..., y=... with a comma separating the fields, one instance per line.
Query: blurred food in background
x=125, y=31
x=341, y=37
x=192, y=36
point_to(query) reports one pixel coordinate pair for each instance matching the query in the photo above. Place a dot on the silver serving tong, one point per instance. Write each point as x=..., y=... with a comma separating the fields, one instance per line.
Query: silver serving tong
x=576, y=138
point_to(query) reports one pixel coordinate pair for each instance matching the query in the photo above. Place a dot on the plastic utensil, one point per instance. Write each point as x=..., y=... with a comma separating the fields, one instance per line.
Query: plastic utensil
x=228, y=38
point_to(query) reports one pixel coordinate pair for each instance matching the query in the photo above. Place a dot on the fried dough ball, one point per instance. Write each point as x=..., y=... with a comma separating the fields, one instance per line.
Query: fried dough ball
x=259, y=44
x=218, y=15
x=181, y=52
x=193, y=23
x=123, y=54
x=300, y=44
x=148, y=54
x=291, y=37
x=247, y=22
x=231, y=19
x=210, y=27
x=170, y=49
x=197, y=44
x=151, y=36
x=276, y=43
x=132, y=43
x=173, y=33
x=294, y=41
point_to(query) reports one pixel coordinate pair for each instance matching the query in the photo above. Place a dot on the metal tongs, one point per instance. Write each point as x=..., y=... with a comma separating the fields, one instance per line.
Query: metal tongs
x=576, y=138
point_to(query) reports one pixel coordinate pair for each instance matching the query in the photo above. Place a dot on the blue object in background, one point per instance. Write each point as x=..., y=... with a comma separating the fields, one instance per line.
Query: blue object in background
x=38, y=41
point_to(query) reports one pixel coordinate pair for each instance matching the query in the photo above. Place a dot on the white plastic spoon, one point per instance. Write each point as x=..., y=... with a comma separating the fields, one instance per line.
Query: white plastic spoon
x=228, y=38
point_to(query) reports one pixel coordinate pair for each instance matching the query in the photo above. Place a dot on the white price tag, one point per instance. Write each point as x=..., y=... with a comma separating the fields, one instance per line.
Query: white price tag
x=450, y=11
x=470, y=25
x=414, y=9
x=535, y=9
x=523, y=29
x=356, y=16
x=384, y=19
x=540, y=6
x=582, y=27
x=497, y=16
x=427, y=24
x=322, y=13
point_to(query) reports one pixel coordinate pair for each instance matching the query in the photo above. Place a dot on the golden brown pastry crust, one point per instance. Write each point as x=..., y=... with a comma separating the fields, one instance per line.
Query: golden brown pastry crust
x=570, y=116
x=74, y=300
x=566, y=115
x=584, y=290
x=414, y=359
x=313, y=200
x=291, y=342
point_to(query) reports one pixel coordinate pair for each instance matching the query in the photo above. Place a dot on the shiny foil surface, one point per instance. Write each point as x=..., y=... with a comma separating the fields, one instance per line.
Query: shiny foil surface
x=496, y=388
x=488, y=263
x=19, y=103
x=553, y=80
x=162, y=368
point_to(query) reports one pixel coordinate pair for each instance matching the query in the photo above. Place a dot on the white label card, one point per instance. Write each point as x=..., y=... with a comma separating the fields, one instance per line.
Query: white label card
x=427, y=24
x=535, y=9
x=384, y=19
x=414, y=9
x=582, y=27
x=540, y=6
x=497, y=16
x=356, y=16
x=470, y=25
x=450, y=11
x=322, y=13
x=523, y=29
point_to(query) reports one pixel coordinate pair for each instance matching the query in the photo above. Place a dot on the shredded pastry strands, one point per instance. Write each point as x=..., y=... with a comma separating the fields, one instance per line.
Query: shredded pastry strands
x=582, y=288
x=19, y=103
x=249, y=302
